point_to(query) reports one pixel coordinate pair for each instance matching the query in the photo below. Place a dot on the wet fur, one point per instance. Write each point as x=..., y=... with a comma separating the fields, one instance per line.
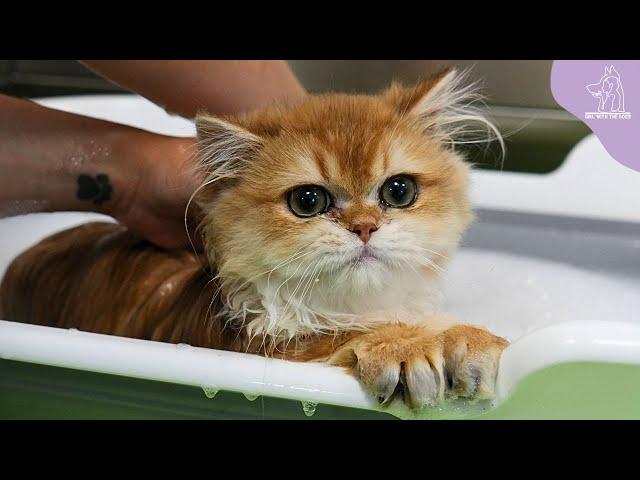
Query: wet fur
x=284, y=286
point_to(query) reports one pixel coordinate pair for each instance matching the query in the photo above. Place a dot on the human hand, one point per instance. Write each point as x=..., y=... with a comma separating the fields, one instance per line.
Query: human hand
x=57, y=161
x=154, y=197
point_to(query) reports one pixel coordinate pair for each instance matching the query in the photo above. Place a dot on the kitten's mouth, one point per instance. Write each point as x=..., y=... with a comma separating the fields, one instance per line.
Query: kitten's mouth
x=364, y=255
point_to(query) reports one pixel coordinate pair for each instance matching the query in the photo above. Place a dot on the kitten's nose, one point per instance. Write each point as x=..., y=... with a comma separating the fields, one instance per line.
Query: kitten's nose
x=364, y=230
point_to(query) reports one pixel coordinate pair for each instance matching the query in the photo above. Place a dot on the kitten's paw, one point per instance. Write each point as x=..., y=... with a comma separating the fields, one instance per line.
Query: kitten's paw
x=423, y=367
x=472, y=358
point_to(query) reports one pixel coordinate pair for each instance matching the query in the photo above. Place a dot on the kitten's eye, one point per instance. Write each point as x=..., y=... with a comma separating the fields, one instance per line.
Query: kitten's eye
x=399, y=191
x=308, y=201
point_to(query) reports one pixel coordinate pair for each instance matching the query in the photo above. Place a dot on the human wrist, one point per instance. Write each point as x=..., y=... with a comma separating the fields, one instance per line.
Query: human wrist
x=125, y=164
x=57, y=161
x=100, y=171
x=72, y=168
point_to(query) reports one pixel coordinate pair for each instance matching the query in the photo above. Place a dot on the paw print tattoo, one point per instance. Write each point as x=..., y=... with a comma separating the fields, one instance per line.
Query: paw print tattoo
x=98, y=189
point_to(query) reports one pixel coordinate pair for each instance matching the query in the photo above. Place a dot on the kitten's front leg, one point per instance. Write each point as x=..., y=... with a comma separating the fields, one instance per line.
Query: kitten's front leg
x=426, y=366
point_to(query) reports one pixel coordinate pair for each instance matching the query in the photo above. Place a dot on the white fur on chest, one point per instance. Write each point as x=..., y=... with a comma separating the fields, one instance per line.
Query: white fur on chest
x=323, y=305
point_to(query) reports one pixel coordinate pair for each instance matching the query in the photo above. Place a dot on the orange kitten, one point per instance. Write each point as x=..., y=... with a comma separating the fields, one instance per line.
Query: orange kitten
x=327, y=225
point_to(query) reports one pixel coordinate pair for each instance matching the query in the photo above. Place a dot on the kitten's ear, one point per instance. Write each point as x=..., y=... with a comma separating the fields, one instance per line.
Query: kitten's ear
x=423, y=97
x=223, y=147
x=444, y=106
x=426, y=100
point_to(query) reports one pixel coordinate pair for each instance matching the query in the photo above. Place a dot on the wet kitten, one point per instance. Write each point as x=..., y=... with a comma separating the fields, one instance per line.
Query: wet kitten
x=326, y=226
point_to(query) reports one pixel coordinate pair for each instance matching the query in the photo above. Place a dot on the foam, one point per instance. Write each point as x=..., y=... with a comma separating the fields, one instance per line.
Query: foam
x=513, y=295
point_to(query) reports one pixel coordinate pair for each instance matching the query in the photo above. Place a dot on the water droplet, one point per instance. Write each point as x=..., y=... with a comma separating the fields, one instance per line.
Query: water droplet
x=309, y=408
x=250, y=396
x=210, y=392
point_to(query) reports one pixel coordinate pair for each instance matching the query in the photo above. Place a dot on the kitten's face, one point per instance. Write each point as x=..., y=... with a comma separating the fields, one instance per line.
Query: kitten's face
x=352, y=191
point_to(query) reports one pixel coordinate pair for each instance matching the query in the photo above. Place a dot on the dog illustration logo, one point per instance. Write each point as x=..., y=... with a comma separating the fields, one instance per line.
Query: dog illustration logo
x=610, y=95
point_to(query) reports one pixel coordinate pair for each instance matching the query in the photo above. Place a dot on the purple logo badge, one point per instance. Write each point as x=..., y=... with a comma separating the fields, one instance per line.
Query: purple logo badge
x=603, y=94
x=610, y=94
